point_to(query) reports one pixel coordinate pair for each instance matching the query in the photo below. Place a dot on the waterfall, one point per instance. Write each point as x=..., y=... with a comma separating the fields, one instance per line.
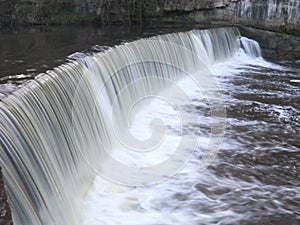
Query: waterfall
x=57, y=129
x=251, y=47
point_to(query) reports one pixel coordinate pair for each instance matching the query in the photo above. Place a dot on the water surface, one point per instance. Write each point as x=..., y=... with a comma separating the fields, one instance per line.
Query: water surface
x=255, y=177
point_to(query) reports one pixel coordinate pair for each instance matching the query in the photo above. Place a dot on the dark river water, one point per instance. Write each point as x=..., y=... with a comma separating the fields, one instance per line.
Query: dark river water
x=35, y=49
x=262, y=155
x=255, y=178
x=26, y=52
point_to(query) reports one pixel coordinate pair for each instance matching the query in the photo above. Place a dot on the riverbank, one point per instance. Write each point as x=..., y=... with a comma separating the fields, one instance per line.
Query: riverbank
x=268, y=15
x=262, y=108
x=276, y=25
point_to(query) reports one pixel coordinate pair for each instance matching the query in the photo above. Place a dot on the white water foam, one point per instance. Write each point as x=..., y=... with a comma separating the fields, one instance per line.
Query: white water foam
x=169, y=202
x=57, y=131
x=48, y=153
x=110, y=203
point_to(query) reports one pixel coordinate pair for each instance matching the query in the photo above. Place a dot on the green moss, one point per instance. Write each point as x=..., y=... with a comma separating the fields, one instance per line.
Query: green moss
x=73, y=18
x=7, y=11
x=149, y=11
x=297, y=49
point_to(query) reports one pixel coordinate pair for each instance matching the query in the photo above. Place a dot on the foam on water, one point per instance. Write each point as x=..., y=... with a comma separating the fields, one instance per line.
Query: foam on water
x=121, y=205
x=180, y=199
x=118, y=114
x=71, y=123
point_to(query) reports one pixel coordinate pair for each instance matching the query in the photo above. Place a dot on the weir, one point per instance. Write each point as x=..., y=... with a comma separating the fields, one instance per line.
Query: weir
x=57, y=129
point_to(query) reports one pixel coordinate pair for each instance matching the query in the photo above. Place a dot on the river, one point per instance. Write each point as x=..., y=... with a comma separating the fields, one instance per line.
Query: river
x=255, y=177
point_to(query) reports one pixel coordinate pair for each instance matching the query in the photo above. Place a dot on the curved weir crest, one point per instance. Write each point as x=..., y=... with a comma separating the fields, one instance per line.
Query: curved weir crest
x=56, y=130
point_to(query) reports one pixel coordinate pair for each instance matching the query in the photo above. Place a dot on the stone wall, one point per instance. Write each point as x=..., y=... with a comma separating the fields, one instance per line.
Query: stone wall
x=275, y=45
x=187, y=6
x=278, y=15
x=274, y=15
x=35, y=11
x=275, y=24
x=77, y=11
x=269, y=12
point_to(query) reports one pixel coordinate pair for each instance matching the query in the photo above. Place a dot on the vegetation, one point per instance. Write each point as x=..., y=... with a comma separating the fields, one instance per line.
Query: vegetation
x=20, y=12
x=75, y=11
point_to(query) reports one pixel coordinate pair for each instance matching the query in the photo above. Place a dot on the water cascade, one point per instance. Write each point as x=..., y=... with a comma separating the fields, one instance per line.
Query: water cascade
x=56, y=129
x=251, y=47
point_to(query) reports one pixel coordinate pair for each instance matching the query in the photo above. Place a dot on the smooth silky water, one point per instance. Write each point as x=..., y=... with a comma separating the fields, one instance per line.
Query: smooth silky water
x=65, y=135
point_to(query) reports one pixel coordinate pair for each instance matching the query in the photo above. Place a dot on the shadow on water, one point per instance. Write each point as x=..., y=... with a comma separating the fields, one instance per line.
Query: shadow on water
x=36, y=49
x=27, y=51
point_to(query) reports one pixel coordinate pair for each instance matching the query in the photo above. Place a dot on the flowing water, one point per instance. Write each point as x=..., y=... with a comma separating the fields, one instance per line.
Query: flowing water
x=26, y=52
x=255, y=177
x=54, y=130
